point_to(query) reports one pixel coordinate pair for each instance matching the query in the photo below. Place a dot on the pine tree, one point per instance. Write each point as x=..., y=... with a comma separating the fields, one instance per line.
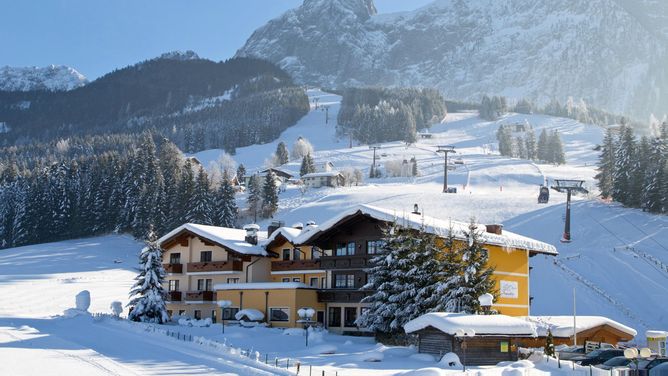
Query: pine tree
x=476, y=278
x=542, y=147
x=269, y=195
x=148, y=295
x=307, y=166
x=170, y=166
x=606, y=164
x=186, y=191
x=414, y=167
x=199, y=205
x=549, y=344
x=450, y=276
x=654, y=193
x=226, y=206
x=520, y=148
x=530, y=144
x=241, y=174
x=624, y=158
x=254, y=198
x=282, y=154
x=556, y=149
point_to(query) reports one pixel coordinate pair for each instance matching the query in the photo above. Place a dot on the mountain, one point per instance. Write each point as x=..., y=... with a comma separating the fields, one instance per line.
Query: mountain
x=611, y=53
x=197, y=103
x=53, y=77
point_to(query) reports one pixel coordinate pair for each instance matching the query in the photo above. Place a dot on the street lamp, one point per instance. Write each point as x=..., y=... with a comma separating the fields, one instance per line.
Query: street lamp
x=306, y=317
x=568, y=186
x=223, y=304
x=445, y=149
x=635, y=355
x=486, y=300
x=461, y=335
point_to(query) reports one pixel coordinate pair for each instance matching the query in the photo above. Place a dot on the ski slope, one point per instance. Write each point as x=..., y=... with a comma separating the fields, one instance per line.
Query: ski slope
x=614, y=263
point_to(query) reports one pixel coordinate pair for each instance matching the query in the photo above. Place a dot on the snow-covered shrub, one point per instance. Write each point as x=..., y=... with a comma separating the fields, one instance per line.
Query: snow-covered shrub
x=83, y=300
x=450, y=360
x=301, y=148
x=194, y=322
x=422, y=357
x=116, y=308
x=293, y=332
x=397, y=168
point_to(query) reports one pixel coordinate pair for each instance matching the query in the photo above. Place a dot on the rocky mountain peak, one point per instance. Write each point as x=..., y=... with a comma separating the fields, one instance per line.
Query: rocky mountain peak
x=52, y=77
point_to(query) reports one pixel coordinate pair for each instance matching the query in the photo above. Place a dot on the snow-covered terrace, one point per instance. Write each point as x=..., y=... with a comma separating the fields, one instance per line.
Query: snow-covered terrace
x=562, y=326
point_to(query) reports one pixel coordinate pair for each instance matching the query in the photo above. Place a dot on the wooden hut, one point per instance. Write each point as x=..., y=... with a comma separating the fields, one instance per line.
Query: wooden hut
x=590, y=330
x=476, y=339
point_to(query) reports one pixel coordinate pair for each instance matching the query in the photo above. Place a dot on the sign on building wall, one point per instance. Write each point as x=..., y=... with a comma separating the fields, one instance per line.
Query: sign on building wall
x=509, y=289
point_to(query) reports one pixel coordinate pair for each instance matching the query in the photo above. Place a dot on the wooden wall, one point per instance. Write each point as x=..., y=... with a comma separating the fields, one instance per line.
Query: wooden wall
x=480, y=351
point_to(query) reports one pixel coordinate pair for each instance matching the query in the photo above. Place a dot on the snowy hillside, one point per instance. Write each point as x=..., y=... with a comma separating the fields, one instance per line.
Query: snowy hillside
x=626, y=284
x=609, y=52
x=52, y=77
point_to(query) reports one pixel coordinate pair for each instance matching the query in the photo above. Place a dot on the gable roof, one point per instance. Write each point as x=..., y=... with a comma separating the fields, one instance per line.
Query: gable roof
x=479, y=325
x=230, y=238
x=562, y=326
x=289, y=233
x=436, y=226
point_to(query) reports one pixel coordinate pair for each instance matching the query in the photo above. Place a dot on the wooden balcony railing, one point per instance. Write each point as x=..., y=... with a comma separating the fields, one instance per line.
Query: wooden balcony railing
x=200, y=296
x=174, y=296
x=280, y=266
x=215, y=266
x=173, y=268
x=344, y=262
x=342, y=296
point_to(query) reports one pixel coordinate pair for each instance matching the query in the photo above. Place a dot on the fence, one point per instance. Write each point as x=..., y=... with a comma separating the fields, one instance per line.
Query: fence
x=588, y=370
x=272, y=360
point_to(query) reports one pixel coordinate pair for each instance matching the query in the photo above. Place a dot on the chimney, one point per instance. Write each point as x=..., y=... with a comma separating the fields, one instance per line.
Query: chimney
x=298, y=226
x=273, y=226
x=251, y=233
x=495, y=229
x=310, y=224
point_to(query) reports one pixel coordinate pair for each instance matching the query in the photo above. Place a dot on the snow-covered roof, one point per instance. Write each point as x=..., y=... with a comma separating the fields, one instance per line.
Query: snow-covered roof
x=252, y=314
x=262, y=286
x=231, y=238
x=436, y=226
x=656, y=334
x=562, y=326
x=479, y=325
x=289, y=233
x=321, y=174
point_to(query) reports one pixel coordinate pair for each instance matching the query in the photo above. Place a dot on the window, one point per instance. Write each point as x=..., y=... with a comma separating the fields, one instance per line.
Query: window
x=228, y=313
x=279, y=314
x=313, y=282
x=320, y=317
x=198, y=314
x=175, y=258
x=286, y=255
x=296, y=279
x=315, y=253
x=233, y=280
x=286, y=279
x=213, y=316
x=204, y=284
x=205, y=256
x=374, y=246
x=344, y=281
x=174, y=285
x=350, y=317
x=296, y=254
x=334, y=316
x=345, y=249
x=182, y=312
x=169, y=313
x=351, y=248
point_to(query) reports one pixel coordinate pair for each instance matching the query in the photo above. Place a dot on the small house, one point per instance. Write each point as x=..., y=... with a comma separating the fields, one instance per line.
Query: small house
x=323, y=179
x=656, y=341
x=589, y=330
x=476, y=339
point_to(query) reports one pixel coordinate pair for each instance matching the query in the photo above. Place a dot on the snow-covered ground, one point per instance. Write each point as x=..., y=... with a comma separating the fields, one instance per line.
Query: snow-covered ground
x=617, y=263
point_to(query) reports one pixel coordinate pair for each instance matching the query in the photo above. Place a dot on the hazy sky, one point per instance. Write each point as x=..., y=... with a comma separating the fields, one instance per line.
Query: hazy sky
x=96, y=36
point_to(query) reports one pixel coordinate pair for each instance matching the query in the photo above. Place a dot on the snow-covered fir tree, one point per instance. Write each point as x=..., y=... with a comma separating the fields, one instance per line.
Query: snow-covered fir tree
x=241, y=173
x=282, y=154
x=307, y=166
x=254, y=197
x=147, y=296
x=625, y=155
x=269, y=195
x=556, y=149
x=530, y=144
x=226, y=206
x=200, y=207
x=542, y=146
x=606, y=164
x=450, y=276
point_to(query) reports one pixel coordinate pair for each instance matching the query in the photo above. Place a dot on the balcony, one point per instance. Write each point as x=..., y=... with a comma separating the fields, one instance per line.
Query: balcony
x=215, y=266
x=344, y=262
x=342, y=295
x=200, y=296
x=290, y=265
x=173, y=268
x=174, y=296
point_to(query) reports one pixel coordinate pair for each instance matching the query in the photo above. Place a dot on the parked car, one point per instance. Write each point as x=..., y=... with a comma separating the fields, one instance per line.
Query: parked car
x=571, y=352
x=598, y=357
x=645, y=368
x=618, y=361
